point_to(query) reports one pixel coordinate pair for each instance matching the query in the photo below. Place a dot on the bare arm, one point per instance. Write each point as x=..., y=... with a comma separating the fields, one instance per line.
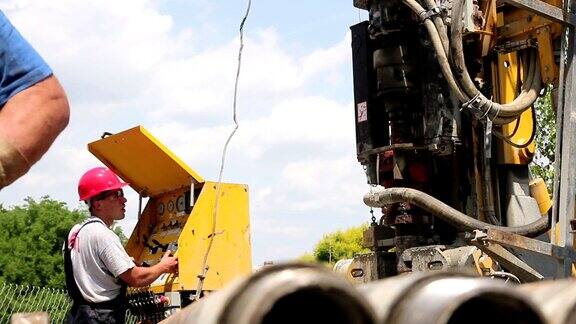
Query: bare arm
x=29, y=123
x=144, y=276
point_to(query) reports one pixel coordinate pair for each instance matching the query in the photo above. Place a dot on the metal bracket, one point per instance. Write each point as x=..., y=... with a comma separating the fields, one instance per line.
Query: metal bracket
x=544, y=9
x=505, y=258
x=529, y=244
x=479, y=236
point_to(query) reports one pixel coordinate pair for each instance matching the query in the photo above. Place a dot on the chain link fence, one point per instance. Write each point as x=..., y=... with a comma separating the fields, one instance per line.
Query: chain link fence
x=25, y=299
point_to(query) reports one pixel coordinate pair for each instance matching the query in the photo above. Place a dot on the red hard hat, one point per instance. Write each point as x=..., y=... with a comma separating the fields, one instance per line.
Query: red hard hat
x=98, y=180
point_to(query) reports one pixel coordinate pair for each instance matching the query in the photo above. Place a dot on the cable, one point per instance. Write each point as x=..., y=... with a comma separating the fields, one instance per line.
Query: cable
x=516, y=126
x=202, y=275
x=505, y=275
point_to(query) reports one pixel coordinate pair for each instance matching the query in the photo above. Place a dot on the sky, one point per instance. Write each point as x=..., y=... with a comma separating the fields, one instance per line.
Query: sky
x=169, y=65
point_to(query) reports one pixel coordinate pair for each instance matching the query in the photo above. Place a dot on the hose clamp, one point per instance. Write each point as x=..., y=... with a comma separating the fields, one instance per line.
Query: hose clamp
x=427, y=14
x=469, y=103
x=480, y=108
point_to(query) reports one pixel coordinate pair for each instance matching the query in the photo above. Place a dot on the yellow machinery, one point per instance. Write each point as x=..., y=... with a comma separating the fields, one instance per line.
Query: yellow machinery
x=180, y=214
x=444, y=94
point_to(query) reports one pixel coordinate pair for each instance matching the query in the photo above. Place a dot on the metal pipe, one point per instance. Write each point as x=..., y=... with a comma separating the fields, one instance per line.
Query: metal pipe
x=380, y=196
x=290, y=293
x=448, y=298
x=556, y=299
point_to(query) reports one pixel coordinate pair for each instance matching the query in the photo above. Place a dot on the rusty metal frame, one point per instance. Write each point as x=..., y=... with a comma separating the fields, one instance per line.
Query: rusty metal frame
x=565, y=172
x=494, y=242
x=544, y=9
x=529, y=244
x=511, y=262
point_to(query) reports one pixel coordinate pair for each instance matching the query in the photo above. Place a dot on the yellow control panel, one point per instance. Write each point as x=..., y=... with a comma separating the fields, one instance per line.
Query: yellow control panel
x=171, y=216
x=184, y=213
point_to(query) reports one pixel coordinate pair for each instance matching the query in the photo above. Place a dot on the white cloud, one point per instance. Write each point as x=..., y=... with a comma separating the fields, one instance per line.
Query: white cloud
x=103, y=50
x=125, y=63
x=323, y=182
x=204, y=82
x=309, y=122
x=325, y=61
x=279, y=227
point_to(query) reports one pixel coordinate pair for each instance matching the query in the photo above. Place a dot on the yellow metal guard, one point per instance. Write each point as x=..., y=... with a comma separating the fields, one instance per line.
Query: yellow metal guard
x=506, y=73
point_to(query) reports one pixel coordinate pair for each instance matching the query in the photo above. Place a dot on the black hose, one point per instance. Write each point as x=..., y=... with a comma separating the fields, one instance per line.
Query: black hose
x=382, y=197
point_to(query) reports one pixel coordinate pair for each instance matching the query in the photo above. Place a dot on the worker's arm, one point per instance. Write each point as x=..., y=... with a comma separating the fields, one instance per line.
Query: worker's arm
x=29, y=124
x=33, y=106
x=144, y=276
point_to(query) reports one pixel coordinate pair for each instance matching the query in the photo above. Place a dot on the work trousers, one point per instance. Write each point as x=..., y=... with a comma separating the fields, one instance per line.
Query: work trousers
x=87, y=314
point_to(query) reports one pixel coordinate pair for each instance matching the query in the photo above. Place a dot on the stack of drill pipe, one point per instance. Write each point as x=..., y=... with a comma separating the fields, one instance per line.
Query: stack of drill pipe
x=556, y=299
x=445, y=298
x=290, y=293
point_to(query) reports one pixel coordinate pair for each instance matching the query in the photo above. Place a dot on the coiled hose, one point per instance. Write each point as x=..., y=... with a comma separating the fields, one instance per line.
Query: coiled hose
x=461, y=83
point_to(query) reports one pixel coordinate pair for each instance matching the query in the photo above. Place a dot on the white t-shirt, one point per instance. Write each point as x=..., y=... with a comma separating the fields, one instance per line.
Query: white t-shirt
x=98, y=258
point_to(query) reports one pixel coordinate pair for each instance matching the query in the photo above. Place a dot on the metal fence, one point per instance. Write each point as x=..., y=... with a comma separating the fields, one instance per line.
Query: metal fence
x=23, y=299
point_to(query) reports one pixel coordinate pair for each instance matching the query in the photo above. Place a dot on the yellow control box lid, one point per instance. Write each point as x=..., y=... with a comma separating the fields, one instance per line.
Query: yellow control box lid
x=141, y=160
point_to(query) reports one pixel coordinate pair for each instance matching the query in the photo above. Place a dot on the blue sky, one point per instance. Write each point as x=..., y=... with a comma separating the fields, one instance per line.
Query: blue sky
x=169, y=65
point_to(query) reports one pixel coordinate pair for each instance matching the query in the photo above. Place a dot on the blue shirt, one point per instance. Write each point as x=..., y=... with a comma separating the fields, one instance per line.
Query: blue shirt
x=20, y=65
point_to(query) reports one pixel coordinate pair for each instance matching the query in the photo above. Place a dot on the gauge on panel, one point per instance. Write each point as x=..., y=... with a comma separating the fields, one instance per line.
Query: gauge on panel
x=180, y=204
x=170, y=206
x=160, y=208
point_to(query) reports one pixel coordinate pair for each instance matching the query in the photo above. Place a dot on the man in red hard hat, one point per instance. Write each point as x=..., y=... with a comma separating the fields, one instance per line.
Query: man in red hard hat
x=97, y=267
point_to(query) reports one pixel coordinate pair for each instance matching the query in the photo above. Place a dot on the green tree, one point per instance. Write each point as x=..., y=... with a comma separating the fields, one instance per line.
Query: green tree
x=307, y=257
x=31, y=238
x=543, y=163
x=339, y=245
x=118, y=230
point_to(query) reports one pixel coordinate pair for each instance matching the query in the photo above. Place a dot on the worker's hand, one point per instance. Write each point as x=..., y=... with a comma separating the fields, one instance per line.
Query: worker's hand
x=169, y=262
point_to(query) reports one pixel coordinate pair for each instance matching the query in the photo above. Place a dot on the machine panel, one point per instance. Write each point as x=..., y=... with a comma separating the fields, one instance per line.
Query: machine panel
x=180, y=214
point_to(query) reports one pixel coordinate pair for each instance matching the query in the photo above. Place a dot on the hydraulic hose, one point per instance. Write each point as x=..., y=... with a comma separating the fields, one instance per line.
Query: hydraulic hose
x=465, y=90
x=495, y=111
x=441, y=51
x=380, y=197
x=443, y=61
x=440, y=26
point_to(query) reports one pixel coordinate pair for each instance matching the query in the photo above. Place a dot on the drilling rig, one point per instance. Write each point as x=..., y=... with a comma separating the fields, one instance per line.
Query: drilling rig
x=445, y=96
